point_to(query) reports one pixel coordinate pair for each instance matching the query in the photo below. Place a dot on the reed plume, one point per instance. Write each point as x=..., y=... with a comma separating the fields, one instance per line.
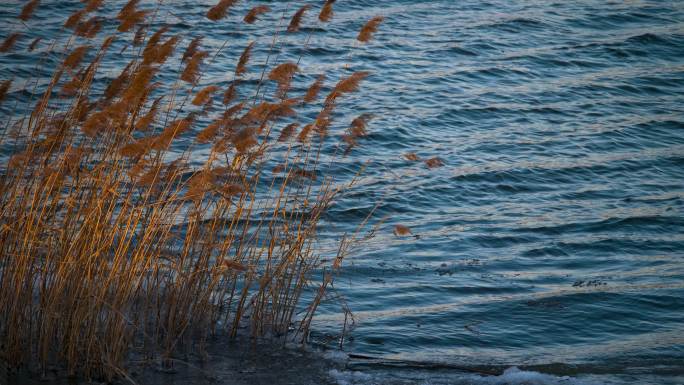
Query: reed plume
x=401, y=230
x=302, y=173
x=287, y=132
x=137, y=148
x=89, y=28
x=152, y=45
x=324, y=119
x=76, y=56
x=369, y=29
x=347, y=85
x=230, y=94
x=356, y=130
x=282, y=74
x=234, y=265
x=253, y=14
x=192, y=48
x=137, y=87
x=28, y=9
x=314, y=89
x=9, y=42
x=131, y=19
x=297, y=19
x=72, y=87
x=244, y=139
x=266, y=111
x=75, y=19
x=326, y=13
x=127, y=9
x=351, y=83
x=209, y=132
x=358, y=125
x=162, y=141
x=4, y=87
x=434, y=162
x=115, y=87
x=191, y=72
x=303, y=135
x=241, y=67
x=165, y=50
x=145, y=121
x=93, y=5
x=220, y=10
x=204, y=95
x=232, y=111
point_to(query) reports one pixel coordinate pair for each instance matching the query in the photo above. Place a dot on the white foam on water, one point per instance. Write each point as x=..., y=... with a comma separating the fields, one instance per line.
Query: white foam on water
x=515, y=376
x=511, y=376
x=337, y=356
x=350, y=377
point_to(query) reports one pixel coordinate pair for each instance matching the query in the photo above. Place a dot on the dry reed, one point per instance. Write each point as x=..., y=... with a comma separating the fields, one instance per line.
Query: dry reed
x=282, y=74
x=204, y=95
x=192, y=48
x=230, y=94
x=4, y=87
x=74, y=19
x=93, y=5
x=369, y=29
x=115, y=244
x=220, y=10
x=297, y=19
x=28, y=9
x=314, y=89
x=241, y=67
x=326, y=13
x=9, y=42
x=254, y=13
x=401, y=230
x=434, y=162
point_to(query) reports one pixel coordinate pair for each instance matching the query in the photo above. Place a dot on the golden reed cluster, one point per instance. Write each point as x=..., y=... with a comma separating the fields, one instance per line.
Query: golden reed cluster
x=114, y=244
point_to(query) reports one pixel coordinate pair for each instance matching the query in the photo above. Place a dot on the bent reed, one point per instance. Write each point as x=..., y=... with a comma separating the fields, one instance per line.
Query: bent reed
x=115, y=243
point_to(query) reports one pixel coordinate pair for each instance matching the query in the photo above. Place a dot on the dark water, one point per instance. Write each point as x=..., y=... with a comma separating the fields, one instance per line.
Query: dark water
x=552, y=238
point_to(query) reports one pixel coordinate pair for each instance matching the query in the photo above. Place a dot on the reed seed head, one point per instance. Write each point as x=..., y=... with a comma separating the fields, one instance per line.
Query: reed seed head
x=369, y=29
x=220, y=10
x=28, y=9
x=326, y=12
x=296, y=20
x=241, y=67
x=254, y=13
x=9, y=42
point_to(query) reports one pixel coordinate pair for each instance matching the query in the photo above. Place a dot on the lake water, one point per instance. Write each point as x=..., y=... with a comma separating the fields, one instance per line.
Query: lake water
x=552, y=238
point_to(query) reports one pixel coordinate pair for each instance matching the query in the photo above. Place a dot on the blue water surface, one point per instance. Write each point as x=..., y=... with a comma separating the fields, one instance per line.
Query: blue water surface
x=553, y=235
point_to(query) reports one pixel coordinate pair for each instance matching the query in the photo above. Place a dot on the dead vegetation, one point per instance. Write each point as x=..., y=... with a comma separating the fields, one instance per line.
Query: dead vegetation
x=113, y=242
